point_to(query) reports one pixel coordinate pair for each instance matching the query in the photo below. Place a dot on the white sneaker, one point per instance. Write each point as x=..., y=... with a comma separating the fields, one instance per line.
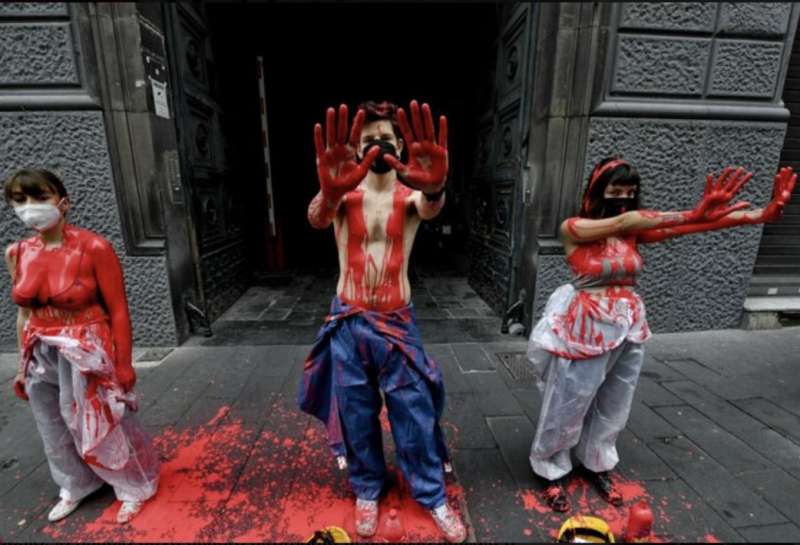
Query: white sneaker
x=449, y=523
x=366, y=517
x=62, y=509
x=128, y=510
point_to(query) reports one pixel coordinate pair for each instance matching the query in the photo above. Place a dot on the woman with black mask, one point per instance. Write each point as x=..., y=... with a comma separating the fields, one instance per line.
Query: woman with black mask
x=587, y=348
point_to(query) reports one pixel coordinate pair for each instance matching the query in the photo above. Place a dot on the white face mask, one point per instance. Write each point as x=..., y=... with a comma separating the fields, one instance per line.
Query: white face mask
x=39, y=216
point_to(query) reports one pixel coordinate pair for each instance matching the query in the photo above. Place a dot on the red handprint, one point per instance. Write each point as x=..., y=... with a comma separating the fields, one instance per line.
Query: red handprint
x=337, y=167
x=427, y=166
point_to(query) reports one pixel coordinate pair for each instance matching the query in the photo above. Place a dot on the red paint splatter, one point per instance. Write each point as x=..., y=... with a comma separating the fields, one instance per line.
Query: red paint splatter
x=708, y=538
x=585, y=500
x=532, y=502
x=612, y=254
x=225, y=481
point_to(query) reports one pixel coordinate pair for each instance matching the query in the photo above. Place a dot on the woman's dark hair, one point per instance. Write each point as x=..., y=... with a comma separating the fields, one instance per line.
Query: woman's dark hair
x=33, y=182
x=377, y=111
x=604, y=174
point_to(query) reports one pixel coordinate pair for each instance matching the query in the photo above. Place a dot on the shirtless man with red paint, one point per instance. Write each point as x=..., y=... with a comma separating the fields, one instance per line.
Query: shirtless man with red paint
x=370, y=342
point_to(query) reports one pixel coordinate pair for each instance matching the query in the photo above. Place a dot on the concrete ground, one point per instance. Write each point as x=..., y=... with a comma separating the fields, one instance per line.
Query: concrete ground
x=712, y=444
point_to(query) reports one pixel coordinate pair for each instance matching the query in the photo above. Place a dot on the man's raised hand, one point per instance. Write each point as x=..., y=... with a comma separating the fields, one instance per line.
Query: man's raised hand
x=427, y=165
x=337, y=165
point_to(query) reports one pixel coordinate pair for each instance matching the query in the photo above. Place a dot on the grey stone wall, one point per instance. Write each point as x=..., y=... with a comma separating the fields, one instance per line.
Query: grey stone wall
x=690, y=88
x=33, y=9
x=38, y=58
x=37, y=54
x=699, y=51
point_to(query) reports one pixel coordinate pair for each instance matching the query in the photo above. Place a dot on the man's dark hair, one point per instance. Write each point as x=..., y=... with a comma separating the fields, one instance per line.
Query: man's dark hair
x=377, y=111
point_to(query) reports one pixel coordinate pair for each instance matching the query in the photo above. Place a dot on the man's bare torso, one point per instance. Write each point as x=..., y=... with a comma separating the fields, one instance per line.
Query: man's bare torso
x=375, y=231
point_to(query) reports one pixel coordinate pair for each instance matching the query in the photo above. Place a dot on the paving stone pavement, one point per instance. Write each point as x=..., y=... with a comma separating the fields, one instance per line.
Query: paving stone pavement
x=713, y=441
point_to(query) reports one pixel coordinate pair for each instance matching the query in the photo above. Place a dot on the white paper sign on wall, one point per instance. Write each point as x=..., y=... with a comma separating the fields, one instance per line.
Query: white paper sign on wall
x=160, y=98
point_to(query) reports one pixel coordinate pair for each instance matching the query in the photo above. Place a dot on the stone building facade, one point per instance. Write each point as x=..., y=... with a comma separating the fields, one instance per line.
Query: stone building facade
x=679, y=89
x=55, y=112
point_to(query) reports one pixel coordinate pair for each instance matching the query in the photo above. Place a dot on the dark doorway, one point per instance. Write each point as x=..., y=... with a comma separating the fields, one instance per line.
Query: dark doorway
x=777, y=269
x=320, y=55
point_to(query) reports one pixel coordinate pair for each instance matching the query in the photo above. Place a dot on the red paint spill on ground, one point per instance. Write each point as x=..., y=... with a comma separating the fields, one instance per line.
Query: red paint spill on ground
x=223, y=481
x=532, y=502
x=228, y=481
x=585, y=500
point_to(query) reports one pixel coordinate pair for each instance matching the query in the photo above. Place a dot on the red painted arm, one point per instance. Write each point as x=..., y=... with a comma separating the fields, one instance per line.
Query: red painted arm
x=22, y=317
x=321, y=211
x=711, y=207
x=428, y=209
x=111, y=282
x=731, y=220
x=782, y=192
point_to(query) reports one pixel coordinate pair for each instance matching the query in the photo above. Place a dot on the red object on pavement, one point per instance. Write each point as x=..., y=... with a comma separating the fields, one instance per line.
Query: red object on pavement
x=640, y=522
x=392, y=529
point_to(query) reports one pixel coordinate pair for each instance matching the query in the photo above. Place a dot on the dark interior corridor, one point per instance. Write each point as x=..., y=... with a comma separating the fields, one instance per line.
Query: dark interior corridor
x=322, y=55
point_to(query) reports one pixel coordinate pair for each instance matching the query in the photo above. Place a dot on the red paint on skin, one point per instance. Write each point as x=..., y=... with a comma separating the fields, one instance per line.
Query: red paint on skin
x=77, y=291
x=782, y=190
x=591, y=257
x=367, y=284
x=356, y=247
x=224, y=481
x=390, y=286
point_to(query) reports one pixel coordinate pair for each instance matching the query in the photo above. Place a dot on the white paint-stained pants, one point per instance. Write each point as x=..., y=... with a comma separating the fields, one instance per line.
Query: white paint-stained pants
x=585, y=406
x=55, y=388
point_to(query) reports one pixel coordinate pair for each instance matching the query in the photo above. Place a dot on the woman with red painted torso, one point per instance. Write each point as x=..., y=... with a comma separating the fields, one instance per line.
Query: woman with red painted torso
x=370, y=342
x=74, y=336
x=587, y=347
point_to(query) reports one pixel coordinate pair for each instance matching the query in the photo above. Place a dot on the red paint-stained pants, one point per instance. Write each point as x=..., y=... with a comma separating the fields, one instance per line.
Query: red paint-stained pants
x=54, y=387
x=585, y=405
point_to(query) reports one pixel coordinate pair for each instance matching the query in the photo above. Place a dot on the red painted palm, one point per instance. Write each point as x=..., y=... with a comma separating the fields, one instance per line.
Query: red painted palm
x=427, y=166
x=337, y=166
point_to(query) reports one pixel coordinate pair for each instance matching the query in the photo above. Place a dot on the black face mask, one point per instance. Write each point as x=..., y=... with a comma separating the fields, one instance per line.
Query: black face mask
x=379, y=166
x=614, y=206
